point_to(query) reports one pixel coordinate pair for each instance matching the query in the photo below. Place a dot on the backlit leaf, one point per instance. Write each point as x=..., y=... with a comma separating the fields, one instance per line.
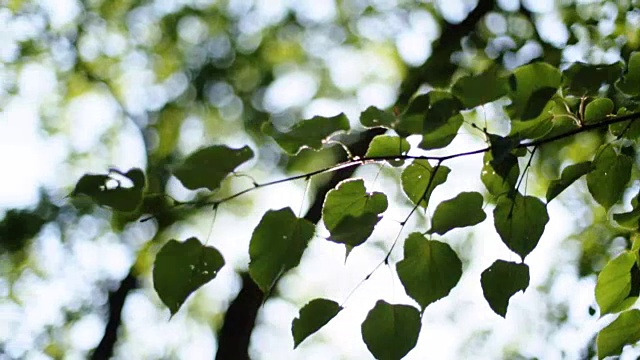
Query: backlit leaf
x=307, y=133
x=480, y=89
x=463, y=210
x=520, y=221
x=435, y=115
x=313, y=316
x=502, y=178
x=417, y=176
x=277, y=245
x=385, y=145
x=625, y=330
x=429, y=270
x=531, y=87
x=569, y=175
x=390, y=331
x=582, y=79
x=501, y=281
x=614, y=282
x=107, y=190
x=181, y=268
x=597, y=110
x=609, y=177
x=207, y=167
x=630, y=82
x=354, y=230
x=350, y=198
x=374, y=117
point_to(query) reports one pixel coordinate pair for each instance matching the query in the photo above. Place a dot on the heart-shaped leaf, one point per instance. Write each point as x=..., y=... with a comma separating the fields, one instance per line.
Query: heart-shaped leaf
x=277, y=245
x=390, y=331
x=463, y=210
x=181, y=268
x=429, y=270
x=500, y=281
x=207, y=167
x=313, y=316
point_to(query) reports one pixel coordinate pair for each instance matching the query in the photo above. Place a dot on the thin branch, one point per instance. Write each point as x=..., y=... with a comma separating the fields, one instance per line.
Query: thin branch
x=375, y=159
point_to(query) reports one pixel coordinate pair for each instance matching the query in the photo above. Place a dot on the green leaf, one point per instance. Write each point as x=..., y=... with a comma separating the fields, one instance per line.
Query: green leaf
x=629, y=220
x=520, y=222
x=207, y=167
x=417, y=176
x=181, y=268
x=611, y=173
x=313, y=316
x=463, y=210
x=598, y=110
x=614, y=282
x=385, y=145
x=354, y=230
x=569, y=175
x=442, y=120
x=582, y=79
x=502, y=178
x=625, y=330
x=435, y=115
x=532, y=86
x=480, y=89
x=310, y=133
x=501, y=281
x=627, y=129
x=630, y=82
x=102, y=191
x=501, y=148
x=390, y=331
x=554, y=112
x=277, y=245
x=350, y=198
x=374, y=117
x=429, y=270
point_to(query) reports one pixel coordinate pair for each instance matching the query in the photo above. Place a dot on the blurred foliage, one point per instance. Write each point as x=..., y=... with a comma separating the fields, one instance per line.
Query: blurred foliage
x=193, y=73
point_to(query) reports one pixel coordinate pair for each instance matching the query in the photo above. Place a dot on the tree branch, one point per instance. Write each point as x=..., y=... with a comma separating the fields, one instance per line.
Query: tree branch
x=375, y=159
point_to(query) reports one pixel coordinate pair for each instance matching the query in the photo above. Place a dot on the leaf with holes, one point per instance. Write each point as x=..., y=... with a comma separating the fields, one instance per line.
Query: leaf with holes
x=625, y=330
x=373, y=117
x=307, y=133
x=429, y=270
x=390, y=331
x=609, y=177
x=520, y=221
x=501, y=281
x=313, y=316
x=569, y=175
x=417, y=176
x=181, y=268
x=385, y=146
x=463, y=210
x=118, y=197
x=277, y=245
x=207, y=167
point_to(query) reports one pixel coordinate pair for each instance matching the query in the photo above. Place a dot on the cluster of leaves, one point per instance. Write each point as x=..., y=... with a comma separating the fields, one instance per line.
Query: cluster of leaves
x=546, y=104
